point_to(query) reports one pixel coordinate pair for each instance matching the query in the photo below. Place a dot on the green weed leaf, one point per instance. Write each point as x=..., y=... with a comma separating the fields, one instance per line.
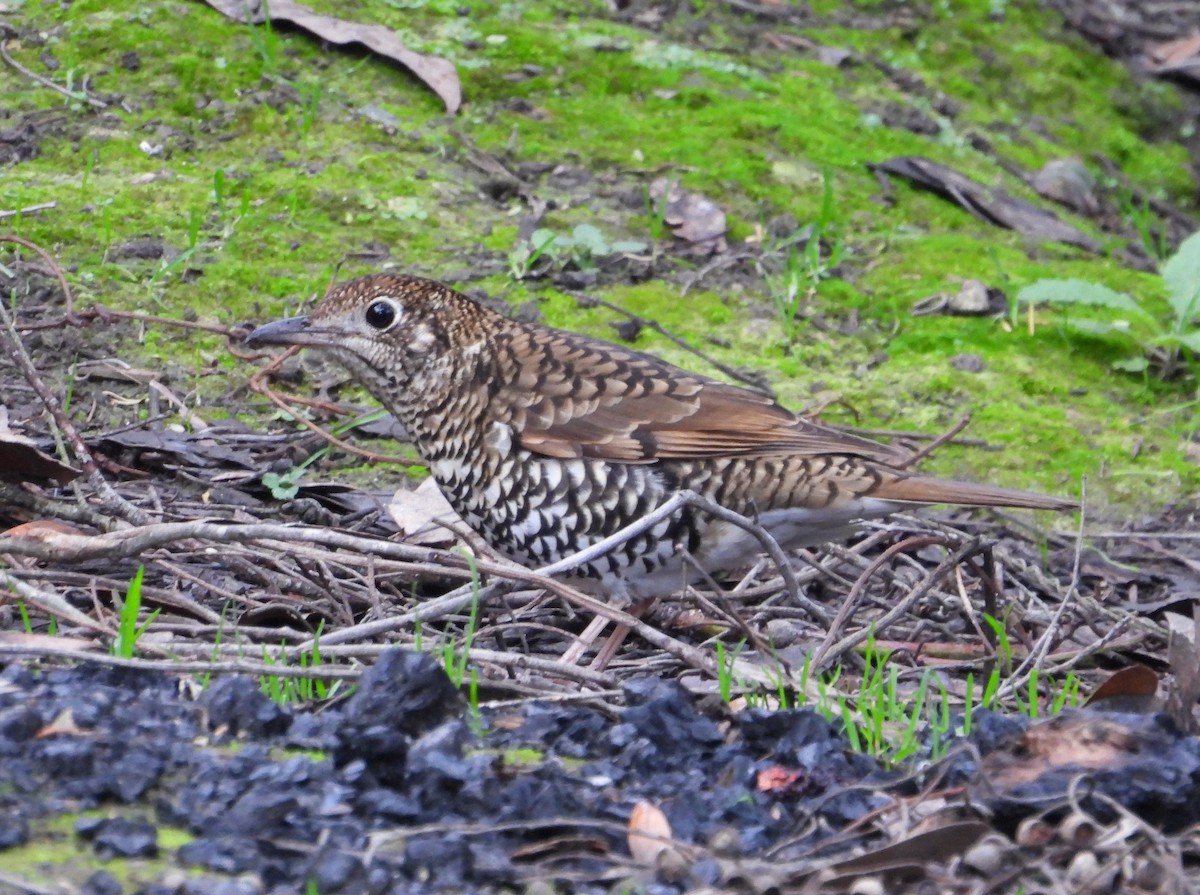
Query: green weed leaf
x=1132, y=365
x=282, y=487
x=627, y=246
x=1181, y=273
x=589, y=238
x=1101, y=327
x=1078, y=292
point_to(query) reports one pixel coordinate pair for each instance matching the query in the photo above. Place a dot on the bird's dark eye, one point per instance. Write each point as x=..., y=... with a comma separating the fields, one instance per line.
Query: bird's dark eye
x=381, y=314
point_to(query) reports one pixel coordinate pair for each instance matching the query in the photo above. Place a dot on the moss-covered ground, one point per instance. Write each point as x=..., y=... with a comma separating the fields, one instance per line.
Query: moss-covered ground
x=266, y=162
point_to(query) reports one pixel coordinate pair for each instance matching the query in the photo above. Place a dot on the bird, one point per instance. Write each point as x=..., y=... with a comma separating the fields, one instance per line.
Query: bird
x=545, y=441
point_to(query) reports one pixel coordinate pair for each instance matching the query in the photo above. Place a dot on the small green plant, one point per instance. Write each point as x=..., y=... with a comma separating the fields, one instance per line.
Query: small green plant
x=455, y=660
x=893, y=722
x=725, y=669
x=580, y=249
x=310, y=102
x=1151, y=229
x=1168, y=345
x=286, y=485
x=195, y=218
x=887, y=723
x=285, y=690
x=218, y=191
x=525, y=255
x=27, y=622
x=206, y=677
x=804, y=269
x=656, y=213
x=266, y=42
x=128, y=629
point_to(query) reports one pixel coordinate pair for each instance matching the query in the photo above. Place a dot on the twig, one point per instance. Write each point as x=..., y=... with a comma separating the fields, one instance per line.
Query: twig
x=50, y=603
x=938, y=441
x=110, y=501
x=930, y=580
x=46, y=82
x=68, y=298
x=462, y=597
x=174, y=665
x=21, y=886
x=28, y=209
x=851, y=602
x=1020, y=677
x=43, y=506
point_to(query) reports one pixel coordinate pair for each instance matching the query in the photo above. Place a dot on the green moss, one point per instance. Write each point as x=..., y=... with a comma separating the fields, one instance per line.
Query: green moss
x=279, y=157
x=54, y=852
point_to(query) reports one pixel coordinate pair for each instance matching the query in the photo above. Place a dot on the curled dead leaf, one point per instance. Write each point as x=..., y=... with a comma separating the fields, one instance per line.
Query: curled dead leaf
x=21, y=460
x=436, y=73
x=422, y=514
x=41, y=530
x=649, y=832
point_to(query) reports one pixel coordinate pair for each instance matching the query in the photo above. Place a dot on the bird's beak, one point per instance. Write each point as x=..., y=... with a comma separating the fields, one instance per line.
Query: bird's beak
x=292, y=331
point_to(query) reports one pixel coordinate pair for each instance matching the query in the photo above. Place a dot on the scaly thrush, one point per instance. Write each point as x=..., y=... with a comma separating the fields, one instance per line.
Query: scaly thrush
x=546, y=442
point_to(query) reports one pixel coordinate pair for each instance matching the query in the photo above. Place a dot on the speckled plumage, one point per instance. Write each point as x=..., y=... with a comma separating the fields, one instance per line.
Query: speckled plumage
x=545, y=441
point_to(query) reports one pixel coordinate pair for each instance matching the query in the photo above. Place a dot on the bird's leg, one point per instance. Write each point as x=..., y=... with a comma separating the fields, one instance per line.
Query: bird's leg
x=610, y=646
x=585, y=639
x=617, y=637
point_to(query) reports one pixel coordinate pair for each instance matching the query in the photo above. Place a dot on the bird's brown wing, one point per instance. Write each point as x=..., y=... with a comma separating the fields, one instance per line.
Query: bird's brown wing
x=570, y=396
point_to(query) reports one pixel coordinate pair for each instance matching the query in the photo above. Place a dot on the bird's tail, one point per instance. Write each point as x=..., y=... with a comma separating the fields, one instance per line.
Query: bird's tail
x=917, y=489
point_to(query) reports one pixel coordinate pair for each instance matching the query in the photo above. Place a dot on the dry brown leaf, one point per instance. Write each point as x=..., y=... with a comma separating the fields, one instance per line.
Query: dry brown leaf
x=992, y=205
x=41, y=530
x=649, y=831
x=113, y=368
x=1173, y=55
x=422, y=514
x=436, y=73
x=63, y=725
x=22, y=461
x=692, y=217
x=919, y=851
x=1131, y=689
x=776, y=779
x=1184, y=657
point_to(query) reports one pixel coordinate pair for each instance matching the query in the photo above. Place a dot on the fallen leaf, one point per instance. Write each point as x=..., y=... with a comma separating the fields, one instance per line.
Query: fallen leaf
x=692, y=217
x=1174, y=56
x=775, y=778
x=422, y=514
x=649, y=832
x=919, y=851
x=41, y=530
x=1184, y=689
x=64, y=724
x=1131, y=689
x=1084, y=739
x=436, y=73
x=992, y=205
x=21, y=460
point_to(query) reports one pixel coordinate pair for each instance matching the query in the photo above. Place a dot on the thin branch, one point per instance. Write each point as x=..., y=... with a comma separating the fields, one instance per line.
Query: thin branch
x=28, y=209
x=1041, y=649
x=78, y=96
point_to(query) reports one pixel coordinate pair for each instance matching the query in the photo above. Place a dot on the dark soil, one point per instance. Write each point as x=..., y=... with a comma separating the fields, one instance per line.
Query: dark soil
x=418, y=794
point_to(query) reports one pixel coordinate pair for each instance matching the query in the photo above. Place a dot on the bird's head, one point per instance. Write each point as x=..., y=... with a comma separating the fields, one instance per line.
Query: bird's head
x=398, y=335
